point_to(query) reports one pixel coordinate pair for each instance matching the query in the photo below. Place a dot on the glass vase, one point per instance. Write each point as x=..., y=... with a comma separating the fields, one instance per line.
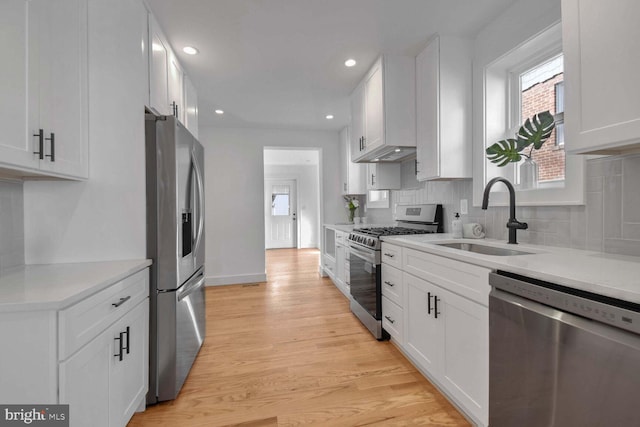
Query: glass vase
x=352, y=213
x=528, y=174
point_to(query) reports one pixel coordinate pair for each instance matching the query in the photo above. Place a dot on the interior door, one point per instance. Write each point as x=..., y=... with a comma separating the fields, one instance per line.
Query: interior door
x=280, y=214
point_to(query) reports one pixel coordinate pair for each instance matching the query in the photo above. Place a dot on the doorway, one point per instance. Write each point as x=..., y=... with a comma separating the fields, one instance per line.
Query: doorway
x=280, y=213
x=292, y=197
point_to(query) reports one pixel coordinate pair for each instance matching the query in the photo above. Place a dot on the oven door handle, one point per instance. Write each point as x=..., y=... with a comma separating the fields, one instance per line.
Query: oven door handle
x=366, y=255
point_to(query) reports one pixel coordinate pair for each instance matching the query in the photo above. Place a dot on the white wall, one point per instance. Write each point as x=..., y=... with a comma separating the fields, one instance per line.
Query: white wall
x=104, y=217
x=306, y=177
x=234, y=174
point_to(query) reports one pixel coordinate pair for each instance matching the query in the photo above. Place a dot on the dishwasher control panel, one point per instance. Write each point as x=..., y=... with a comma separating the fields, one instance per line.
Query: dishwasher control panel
x=621, y=314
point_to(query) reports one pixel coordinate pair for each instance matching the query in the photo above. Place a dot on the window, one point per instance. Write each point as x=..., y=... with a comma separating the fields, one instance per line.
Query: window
x=511, y=77
x=541, y=88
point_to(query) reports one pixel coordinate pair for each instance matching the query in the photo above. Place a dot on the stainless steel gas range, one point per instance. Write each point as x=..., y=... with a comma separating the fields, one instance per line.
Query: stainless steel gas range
x=365, y=265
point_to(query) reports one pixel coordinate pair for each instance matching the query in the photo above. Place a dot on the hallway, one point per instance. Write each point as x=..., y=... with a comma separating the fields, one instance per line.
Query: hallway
x=289, y=352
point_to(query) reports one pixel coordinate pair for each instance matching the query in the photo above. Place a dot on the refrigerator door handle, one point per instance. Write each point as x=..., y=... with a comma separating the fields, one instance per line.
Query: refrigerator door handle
x=190, y=288
x=198, y=176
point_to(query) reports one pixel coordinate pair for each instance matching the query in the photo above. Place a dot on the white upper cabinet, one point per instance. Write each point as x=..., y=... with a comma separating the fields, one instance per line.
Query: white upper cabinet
x=176, y=88
x=190, y=107
x=356, y=131
x=443, y=110
x=383, y=176
x=171, y=93
x=44, y=87
x=159, y=57
x=383, y=111
x=352, y=175
x=602, y=89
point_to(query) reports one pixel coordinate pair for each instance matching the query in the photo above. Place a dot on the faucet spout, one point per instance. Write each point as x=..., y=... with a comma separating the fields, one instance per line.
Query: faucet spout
x=513, y=224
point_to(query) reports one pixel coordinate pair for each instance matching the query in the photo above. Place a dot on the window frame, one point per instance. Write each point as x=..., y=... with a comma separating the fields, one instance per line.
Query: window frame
x=495, y=117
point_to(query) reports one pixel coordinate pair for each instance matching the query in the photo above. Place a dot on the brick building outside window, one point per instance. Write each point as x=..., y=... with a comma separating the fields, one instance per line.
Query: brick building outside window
x=542, y=88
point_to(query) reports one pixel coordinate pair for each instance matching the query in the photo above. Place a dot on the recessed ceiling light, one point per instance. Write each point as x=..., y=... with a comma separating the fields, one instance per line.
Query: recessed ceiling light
x=398, y=150
x=350, y=62
x=329, y=116
x=190, y=50
x=376, y=160
x=219, y=112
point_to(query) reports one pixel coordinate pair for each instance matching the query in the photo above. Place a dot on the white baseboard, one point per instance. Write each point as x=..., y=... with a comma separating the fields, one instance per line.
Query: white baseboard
x=235, y=280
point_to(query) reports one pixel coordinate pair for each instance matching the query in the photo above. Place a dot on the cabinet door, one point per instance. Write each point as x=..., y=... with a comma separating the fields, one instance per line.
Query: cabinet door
x=63, y=85
x=357, y=123
x=464, y=369
x=345, y=159
x=383, y=176
x=16, y=141
x=340, y=264
x=190, y=107
x=85, y=383
x=602, y=104
x=158, y=67
x=176, y=87
x=129, y=380
x=423, y=331
x=427, y=101
x=374, y=109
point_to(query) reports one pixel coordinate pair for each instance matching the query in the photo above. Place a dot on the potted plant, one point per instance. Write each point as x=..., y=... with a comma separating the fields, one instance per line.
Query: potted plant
x=532, y=135
x=352, y=205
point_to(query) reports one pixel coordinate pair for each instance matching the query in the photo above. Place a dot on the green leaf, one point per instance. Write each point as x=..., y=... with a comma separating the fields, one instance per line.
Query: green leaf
x=535, y=131
x=503, y=152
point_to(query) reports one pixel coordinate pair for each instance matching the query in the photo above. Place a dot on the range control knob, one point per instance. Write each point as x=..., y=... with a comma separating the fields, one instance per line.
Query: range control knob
x=370, y=242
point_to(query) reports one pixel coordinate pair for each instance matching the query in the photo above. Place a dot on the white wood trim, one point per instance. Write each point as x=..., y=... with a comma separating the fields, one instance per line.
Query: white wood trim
x=235, y=279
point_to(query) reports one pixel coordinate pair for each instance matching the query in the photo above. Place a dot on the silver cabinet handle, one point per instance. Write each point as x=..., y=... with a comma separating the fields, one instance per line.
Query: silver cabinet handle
x=389, y=283
x=121, y=301
x=389, y=319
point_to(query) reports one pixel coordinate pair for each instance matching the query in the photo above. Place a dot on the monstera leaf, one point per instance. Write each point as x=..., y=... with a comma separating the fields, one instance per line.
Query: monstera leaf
x=504, y=152
x=534, y=132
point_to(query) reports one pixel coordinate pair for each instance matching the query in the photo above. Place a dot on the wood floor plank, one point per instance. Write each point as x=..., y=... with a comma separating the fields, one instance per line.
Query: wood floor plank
x=289, y=352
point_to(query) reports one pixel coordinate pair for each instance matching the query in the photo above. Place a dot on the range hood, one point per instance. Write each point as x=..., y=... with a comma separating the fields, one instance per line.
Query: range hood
x=388, y=154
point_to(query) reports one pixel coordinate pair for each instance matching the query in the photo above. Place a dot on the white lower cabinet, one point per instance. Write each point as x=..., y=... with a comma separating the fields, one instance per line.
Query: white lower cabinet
x=92, y=355
x=440, y=320
x=448, y=336
x=335, y=259
x=104, y=382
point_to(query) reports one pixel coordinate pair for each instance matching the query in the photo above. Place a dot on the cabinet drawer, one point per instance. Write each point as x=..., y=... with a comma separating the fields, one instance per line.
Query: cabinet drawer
x=329, y=266
x=80, y=323
x=392, y=316
x=464, y=279
x=392, y=284
x=392, y=255
x=340, y=237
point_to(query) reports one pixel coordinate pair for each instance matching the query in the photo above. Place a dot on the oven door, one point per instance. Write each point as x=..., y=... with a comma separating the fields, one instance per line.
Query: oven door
x=365, y=279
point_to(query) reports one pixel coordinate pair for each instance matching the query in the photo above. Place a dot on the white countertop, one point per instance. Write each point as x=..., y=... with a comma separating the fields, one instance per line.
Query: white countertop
x=616, y=276
x=55, y=286
x=350, y=227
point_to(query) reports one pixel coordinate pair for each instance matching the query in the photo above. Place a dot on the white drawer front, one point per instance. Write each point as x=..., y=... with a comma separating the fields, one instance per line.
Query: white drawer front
x=392, y=318
x=80, y=323
x=340, y=237
x=392, y=284
x=464, y=279
x=392, y=255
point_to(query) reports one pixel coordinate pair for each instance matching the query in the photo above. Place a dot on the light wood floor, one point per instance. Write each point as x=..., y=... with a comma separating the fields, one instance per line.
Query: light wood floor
x=289, y=352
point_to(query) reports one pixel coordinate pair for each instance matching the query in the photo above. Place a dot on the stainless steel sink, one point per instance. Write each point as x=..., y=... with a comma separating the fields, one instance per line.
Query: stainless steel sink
x=483, y=249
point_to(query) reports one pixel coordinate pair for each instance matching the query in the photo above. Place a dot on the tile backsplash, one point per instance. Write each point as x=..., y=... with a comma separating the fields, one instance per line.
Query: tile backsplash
x=608, y=222
x=11, y=224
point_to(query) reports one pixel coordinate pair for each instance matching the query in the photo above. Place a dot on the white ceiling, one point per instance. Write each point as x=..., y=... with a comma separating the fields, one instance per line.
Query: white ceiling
x=282, y=157
x=280, y=63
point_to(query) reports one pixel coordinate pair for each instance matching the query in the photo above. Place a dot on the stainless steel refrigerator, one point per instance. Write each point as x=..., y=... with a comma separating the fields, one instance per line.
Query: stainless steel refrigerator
x=175, y=242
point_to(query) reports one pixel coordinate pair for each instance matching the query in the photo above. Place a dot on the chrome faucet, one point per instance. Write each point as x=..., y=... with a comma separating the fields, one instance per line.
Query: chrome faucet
x=513, y=224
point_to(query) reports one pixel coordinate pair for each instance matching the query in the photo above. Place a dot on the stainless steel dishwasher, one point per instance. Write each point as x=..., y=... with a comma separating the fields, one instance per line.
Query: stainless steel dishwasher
x=561, y=357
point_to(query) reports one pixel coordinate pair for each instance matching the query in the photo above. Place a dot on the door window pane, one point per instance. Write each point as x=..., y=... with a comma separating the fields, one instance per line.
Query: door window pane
x=280, y=204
